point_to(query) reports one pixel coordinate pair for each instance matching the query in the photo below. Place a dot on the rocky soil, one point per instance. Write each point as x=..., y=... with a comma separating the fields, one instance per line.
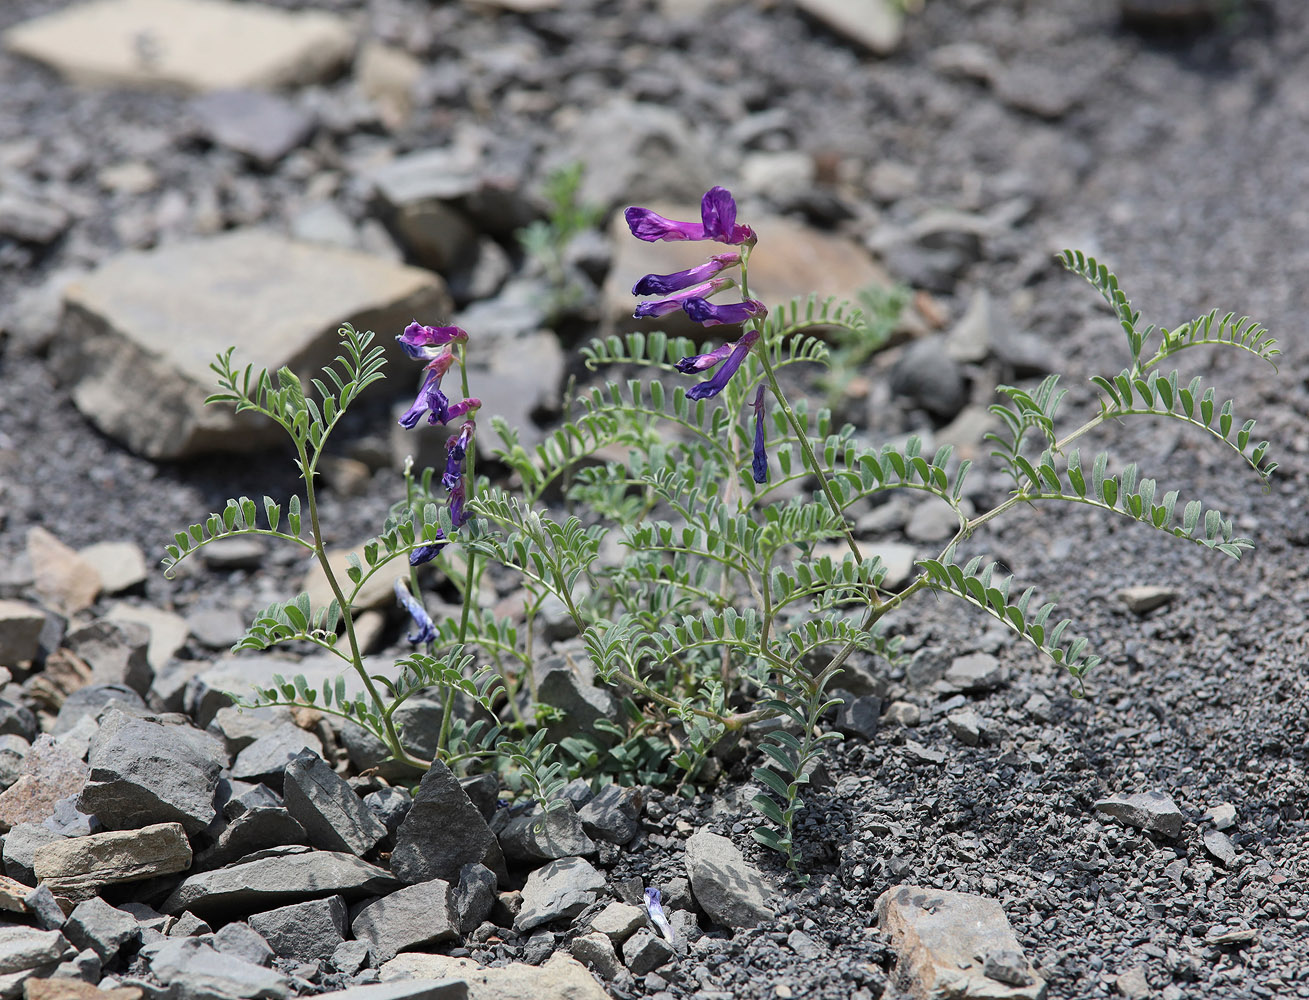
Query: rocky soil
x=993, y=133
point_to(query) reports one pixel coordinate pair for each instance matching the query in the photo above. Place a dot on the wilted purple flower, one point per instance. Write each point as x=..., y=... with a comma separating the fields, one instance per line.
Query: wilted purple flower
x=426, y=629
x=662, y=284
x=428, y=552
x=703, y=362
x=431, y=399
x=712, y=387
x=654, y=907
x=759, y=467
x=717, y=222
x=425, y=342
x=455, y=451
x=706, y=313
x=660, y=307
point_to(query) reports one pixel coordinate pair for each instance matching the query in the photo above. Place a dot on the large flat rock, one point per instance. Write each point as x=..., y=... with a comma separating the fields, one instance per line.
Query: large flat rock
x=141, y=331
x=189, y=45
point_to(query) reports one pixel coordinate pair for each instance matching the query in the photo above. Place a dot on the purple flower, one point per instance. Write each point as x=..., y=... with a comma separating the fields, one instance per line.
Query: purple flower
x=662, y=284
x=703, y=362
x=426, y=629
x=711, y=388
x=430, y=397
x=457, y=515
x=455, y=451
x=654, y=907
x=660, y=307
x=759, y=467
x=717, y=222
x=704, y=312
x=424, y=343
x=426, y=553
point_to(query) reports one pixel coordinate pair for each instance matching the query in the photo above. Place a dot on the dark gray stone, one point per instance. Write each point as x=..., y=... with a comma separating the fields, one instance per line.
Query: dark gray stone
x=103, y=928
x=483, y=791
x=390, y=806
x=929, y=379
x=596, y=952
x=350, y=956
x=13, y=749
x=411, y=918
x=545, y=836
x=193, y=969
x=261, y=125
x=443, y=832
x=89, y=701
x=578, y=792
x=275, y=877
x=266, y=758
x=644, y=952
x=20, y=849
x=858, y=715
x=189, y=925
x=975, y=673
x=333, y=816
x=26, y=948
x=613, y=815
x=582, y=703
x=116, y=653
x=41, y=903
x=305, y=932
x=143, y=773
x=1151, y=811
x=729, y=891
x=240, y=939
x=249, y=831
x=17, y=720
x=559, y=890
x=474, y=896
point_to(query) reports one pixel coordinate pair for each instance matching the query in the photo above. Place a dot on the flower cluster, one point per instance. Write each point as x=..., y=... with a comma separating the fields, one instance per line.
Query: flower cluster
x=435, y=344
x=689, y=291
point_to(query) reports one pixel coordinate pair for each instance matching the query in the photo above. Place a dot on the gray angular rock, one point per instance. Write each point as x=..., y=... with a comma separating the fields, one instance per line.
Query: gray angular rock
x=484, y=792
x=251, y=830
x=143, y=772
x=474, y=896
x=858, y=715
x=449, y=988
x=115, y=652
x=20, y=633
x=78, y=867
x=13, y=750
x=90, y=701
x=18, y=721
x=619, y=921
x=975, y=673
x=29, y=220
x=334, y=817
x=304, y=932
x=1151, y=811
x=545, y=836
x=20, y=845
x=154, y=320
x=644, y=952
x=613, y=815
x=1220, y=846
x=596, y=952
x=41, y=903
x=559, y=683
x=350, y=956
x=443, y=832
x=729, y=891
x=965, y=726
x=877, y=25
x=121, y=565
x=417, y=197
x=263, y=126
x=85, y=966
x=239, y=727
x=1143, y=599
x=193, y=969
x=943, y=940
x=561, y=889
x=927, y=377
x=50, y=773
x=26, y=948
x=272, y=878
x=560, y=978
x=390, y=806
x=408, y=919
x=240, y=939
x=103, y=928
x=189, y=925
x=265, y=760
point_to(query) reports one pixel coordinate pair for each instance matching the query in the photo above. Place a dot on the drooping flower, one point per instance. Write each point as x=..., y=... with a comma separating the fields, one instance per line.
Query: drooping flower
x=678, y=300
x=431, y=400
x=426, y=628
x=455, y=451
x=703, y=362
x=424, y=343
x=717, y=222
x=759, y=467
x=663, y=284
x=428, y=552
x=712, y=387
x=654, y=907
x=706, y=313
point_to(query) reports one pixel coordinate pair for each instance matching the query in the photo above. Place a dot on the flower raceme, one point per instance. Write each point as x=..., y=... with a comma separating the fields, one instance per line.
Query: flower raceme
x=717, y=222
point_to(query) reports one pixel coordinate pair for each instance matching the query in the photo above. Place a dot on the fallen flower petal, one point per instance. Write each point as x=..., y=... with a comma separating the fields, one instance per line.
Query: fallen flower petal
x=759, y=466
x=426, y=628
x=654, y=907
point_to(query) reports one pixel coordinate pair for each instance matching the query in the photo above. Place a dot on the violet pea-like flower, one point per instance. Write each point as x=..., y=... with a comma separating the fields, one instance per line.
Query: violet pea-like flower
x=712, y=387
x=707, y=313
x=663, y=284
x=654, y=907
x=759, y=466
x=661, y=307
x=455, y=451
x=431, y=399
x=426, y=628
x=424, y=343
x=717, y=222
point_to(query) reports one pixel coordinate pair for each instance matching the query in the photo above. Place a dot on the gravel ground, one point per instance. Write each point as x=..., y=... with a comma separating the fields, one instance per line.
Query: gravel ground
x=1181, y=162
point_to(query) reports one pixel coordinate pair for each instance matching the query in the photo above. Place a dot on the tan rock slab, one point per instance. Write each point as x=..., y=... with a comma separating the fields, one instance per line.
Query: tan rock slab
x=168, y=631
x=188, y=45
x=20, y=632
x=790, y=259
x=948, y=942
x=561, y=978
x=50, y=773
x=63, y=579
x=121, y=565
x=12, y=893
x=877, y=25
x=79, y=867
x=75, y=989
x=147, y=325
